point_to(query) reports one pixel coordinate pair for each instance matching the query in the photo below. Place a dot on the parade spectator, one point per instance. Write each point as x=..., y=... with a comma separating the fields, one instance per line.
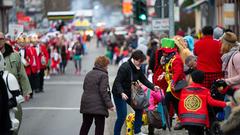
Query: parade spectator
x=77, y=57
x=231, y=63
x=63, y=63
x=96, y=100
x=218, y=33
x=14, y=94
x=231, y=126
x=182, y=47
x=5, y=122
x=15, y=66
x=205, y=49
x=190, y=42
x=231, y=60
x=180, y=32
x=122, y=90
x=193, y=110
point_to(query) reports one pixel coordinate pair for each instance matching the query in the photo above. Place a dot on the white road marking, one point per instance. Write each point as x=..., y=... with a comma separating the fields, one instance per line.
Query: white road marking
x=64, y=83
x=51, y=108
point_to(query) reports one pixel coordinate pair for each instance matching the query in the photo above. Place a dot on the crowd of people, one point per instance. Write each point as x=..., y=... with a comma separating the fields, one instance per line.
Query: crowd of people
x=195, y=78
x=27, y=61
x=199, y=77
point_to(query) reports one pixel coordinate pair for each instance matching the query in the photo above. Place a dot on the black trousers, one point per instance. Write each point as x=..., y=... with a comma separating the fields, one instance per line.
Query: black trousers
x=195, y=130
x=87, y=122
x=34, y=81
x=41, y=79
x=169, y=98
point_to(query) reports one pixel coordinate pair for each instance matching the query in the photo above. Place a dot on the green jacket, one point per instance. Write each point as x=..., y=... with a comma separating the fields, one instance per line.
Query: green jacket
x=15, y=66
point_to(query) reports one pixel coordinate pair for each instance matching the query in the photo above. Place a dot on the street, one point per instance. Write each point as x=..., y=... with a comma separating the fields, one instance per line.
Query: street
x=56, y=111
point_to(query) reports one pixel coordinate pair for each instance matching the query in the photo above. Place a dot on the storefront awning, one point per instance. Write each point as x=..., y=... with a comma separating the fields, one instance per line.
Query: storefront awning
x=195, y=5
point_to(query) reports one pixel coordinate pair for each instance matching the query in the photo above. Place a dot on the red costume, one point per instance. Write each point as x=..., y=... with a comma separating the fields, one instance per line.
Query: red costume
x=193, y=105
x=158, y=70
x=43, y=56
x=28, y=57
x=174, y=73
x=35, y=67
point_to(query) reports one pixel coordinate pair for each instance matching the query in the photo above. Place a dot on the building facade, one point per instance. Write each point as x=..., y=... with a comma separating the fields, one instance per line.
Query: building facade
x=222, y=14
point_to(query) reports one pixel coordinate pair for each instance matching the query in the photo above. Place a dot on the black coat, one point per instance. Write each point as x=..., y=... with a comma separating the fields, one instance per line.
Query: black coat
x=95, y=97
x=122, y=82
x=5, y=123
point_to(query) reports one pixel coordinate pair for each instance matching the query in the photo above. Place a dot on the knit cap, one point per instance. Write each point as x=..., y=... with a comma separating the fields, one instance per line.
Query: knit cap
x=217, y=33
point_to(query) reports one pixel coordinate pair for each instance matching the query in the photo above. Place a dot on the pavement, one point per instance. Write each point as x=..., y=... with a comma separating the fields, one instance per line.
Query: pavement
x=56, y=111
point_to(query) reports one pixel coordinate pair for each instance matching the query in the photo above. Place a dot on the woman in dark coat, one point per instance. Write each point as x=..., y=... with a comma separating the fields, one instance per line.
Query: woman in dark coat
x=96, y=98
x=122, y=90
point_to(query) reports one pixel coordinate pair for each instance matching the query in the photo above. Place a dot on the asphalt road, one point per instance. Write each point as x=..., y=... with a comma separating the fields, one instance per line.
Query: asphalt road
x=56, y=111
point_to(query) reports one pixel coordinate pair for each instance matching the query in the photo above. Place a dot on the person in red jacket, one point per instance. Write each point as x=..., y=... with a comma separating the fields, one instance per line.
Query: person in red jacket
x=35, y=67
x=208, y=52
x=173, y=72
x=43, y=58
x=26, y=57
x=194, y=99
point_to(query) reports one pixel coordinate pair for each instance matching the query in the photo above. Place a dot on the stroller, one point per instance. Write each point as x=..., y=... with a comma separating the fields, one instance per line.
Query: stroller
x=216, y=114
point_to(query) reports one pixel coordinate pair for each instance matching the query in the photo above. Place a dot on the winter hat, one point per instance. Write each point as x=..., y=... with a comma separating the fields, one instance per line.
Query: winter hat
x=229, y=38
x=217, y=33
x=190, y=41
x=168, y=45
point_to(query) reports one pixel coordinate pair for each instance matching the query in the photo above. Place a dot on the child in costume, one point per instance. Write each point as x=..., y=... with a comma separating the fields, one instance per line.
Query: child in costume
x=193, y=112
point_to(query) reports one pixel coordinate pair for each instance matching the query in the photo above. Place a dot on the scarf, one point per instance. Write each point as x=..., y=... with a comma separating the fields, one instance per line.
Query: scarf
x=227, y=56
x=165, y=59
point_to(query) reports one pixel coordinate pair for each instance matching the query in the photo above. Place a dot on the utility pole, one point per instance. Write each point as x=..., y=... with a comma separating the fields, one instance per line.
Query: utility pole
x=171, y=18
x=162, y=8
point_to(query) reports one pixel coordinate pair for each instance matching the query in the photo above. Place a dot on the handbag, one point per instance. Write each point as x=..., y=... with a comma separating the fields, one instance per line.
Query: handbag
x=180, y=85
x=139, y=99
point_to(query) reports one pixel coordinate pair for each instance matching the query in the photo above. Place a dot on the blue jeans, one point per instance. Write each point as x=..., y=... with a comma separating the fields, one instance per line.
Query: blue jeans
x=227, y=110
x=121, y=107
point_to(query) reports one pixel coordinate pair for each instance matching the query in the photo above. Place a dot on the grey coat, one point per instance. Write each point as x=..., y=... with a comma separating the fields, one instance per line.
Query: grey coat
x=96, y=98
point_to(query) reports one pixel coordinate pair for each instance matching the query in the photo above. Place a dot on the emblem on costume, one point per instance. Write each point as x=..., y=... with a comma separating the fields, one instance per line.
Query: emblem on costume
x=192, y=103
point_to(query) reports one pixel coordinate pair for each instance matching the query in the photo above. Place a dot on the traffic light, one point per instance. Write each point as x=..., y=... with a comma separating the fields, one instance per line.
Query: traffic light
x=142, y=11
x=139, y=11
x=135, y=11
